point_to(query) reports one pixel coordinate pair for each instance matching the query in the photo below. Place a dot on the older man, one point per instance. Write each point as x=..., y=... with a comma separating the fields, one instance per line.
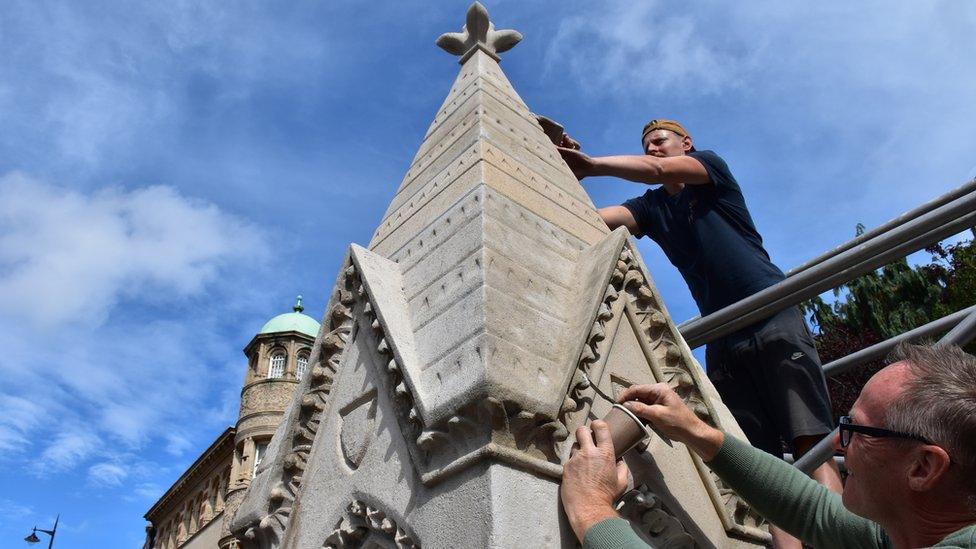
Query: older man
x=910, y=447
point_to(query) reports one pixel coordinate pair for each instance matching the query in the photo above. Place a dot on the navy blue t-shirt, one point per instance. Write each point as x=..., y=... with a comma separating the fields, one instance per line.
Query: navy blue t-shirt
x=707, y=233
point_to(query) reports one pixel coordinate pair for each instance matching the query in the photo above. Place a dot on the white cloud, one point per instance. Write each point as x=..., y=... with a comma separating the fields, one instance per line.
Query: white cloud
x=633, y=46
x=107, y=474
x=71, y=257
x=177, y=444
x=765, y=48
x=18, y=417
x=95, y=78
x=67, y=450
x=147, y=491
x=12, y=511
x=101, y=356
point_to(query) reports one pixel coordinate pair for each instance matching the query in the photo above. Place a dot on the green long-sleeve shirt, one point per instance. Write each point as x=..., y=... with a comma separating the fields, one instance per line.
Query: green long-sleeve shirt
x=787, y=498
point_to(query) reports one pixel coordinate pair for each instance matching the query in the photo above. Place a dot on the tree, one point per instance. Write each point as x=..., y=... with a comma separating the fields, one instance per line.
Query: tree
x=885, y=303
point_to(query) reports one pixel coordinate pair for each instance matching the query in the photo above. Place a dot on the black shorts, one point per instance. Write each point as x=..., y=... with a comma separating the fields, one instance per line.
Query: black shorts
x=771, y=379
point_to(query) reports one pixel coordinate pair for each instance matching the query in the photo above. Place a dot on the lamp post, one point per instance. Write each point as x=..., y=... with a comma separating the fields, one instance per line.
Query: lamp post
x=32, y=538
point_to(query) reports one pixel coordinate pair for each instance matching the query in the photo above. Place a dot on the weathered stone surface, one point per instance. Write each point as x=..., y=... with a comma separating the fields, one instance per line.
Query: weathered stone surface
x=453, y=360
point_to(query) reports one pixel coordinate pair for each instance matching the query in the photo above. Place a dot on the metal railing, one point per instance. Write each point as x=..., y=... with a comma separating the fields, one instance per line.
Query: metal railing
x=881, y=350
x=963, y=333
x=884, y=227
x=928, y=224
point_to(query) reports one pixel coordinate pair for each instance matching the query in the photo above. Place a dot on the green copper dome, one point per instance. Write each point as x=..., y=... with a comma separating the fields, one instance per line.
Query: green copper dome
x=292, y=322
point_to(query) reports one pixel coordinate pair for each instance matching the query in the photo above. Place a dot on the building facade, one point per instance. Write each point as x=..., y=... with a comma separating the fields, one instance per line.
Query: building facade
x=191, y=514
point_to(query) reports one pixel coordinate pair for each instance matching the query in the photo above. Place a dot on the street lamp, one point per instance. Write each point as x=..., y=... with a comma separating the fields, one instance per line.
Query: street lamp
x=32, y=538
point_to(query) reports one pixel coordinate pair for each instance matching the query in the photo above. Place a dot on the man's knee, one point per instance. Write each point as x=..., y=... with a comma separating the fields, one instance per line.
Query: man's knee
x=619, y=216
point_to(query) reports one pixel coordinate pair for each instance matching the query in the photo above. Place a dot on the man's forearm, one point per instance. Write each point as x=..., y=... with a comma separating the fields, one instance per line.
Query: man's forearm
x=791, y=500
x=706, y=441
x=639, y=169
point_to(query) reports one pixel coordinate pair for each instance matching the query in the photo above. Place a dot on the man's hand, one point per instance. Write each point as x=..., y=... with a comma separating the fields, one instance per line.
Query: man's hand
x=578, y=161
x=592, y=480
x=660, y=405
x=568, y=142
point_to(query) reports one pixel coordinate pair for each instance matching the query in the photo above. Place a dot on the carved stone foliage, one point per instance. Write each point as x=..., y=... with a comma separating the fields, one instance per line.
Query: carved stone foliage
x=660, y=335
x=645, y=510
x=580, y=395
x=298, y=443
x=367, y=526
x=407, y=413
x=662, y=338
x=531, y=432
x=736, y=507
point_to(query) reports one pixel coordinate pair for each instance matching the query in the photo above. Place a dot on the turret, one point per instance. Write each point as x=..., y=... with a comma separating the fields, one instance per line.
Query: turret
x=277, y=359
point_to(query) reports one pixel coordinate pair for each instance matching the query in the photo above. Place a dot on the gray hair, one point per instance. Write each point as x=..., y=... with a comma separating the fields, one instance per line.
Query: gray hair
x=939, y=404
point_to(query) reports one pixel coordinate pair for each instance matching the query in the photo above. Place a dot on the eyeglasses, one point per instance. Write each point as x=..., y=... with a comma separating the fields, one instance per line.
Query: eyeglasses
x=848, y=428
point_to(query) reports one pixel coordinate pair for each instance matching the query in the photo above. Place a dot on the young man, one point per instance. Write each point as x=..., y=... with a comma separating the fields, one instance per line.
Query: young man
x=768, y=374
x=910, y=447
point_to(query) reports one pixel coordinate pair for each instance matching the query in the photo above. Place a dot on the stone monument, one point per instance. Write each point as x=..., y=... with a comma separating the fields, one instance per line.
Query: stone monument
x=458, y=354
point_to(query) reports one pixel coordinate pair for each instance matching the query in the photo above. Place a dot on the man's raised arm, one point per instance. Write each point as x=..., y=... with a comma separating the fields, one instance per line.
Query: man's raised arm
x=671, y=170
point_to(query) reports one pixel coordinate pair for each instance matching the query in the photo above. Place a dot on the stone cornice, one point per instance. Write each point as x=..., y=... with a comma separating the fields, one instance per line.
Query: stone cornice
x=293, y=334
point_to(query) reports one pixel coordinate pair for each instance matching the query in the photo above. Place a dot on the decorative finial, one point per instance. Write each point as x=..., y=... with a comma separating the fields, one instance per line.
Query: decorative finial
x=298, y=305
x=478, y=33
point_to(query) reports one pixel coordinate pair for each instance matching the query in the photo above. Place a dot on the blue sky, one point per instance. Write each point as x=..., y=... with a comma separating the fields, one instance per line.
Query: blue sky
x=173, y=173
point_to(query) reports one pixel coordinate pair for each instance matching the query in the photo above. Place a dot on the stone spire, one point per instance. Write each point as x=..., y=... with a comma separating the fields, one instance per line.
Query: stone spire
x=457, y=351
x=486, y=230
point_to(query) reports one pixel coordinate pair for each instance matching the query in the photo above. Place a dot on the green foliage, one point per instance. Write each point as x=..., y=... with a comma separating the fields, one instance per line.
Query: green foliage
x=954, y=267
x=888, y=302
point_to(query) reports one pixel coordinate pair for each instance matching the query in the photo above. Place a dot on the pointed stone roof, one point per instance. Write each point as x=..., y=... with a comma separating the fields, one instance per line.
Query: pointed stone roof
x=487, y=228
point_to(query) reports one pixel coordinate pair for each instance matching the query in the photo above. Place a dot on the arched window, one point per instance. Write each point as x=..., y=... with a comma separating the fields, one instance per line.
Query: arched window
x=277, y=368
x=302, y=366
x=260, y=449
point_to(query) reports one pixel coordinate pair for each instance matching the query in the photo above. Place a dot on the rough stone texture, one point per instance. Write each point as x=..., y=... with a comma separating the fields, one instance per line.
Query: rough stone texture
x=449, y=370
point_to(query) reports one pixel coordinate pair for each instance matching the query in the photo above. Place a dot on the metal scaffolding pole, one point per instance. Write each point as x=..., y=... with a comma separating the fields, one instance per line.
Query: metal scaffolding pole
x=936, y=225
x=963, y=333
x=896, y=222
x=880, y=350
x=821, y=452
x=910, y=215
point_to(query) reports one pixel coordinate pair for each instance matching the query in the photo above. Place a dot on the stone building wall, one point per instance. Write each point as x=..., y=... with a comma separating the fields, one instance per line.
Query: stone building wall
x=196, y=501
x=192, y=512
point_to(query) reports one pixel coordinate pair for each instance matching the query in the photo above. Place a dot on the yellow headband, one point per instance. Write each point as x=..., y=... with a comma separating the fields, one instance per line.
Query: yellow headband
x=663, y=124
